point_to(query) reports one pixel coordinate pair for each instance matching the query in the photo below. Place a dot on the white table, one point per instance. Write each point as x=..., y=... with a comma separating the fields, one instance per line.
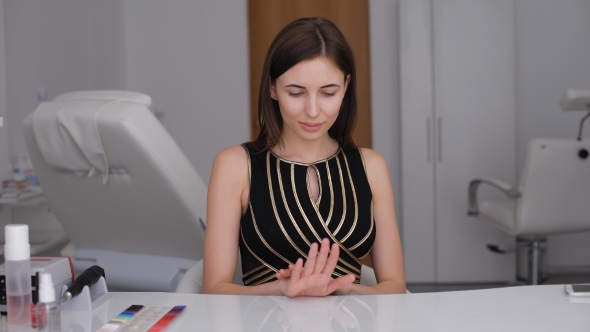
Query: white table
x=526, y=308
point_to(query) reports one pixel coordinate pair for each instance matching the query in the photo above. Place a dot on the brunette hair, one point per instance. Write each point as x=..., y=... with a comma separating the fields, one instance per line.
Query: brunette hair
x=305, y=39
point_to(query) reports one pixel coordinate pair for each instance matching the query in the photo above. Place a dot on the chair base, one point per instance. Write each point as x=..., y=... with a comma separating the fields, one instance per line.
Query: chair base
x=530, y=253
x=530, y=259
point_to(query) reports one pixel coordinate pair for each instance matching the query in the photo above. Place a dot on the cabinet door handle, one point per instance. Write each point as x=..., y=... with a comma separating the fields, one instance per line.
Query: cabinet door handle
x=428, y=140
x=439, y=141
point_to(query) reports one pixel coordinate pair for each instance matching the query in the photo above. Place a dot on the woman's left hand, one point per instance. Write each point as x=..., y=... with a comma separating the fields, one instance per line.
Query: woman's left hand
x=303, y=279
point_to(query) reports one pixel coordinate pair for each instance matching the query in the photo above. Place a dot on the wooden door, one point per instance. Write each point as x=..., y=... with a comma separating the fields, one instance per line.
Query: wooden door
x=267, y=17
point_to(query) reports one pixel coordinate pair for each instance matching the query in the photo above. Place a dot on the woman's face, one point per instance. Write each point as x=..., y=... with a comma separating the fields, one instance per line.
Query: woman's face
x=309, y=95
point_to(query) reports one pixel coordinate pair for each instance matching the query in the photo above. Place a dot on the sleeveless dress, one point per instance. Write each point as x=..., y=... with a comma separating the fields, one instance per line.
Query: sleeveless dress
x=283, y=220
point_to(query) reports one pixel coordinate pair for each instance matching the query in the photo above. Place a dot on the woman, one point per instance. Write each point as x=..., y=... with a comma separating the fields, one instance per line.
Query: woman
x=303, y=204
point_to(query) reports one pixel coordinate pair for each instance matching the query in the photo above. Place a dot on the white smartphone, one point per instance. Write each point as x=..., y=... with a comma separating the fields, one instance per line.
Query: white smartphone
x=578, y=290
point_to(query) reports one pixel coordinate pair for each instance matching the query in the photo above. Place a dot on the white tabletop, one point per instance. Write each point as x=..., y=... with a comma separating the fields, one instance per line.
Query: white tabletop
x=527, y=308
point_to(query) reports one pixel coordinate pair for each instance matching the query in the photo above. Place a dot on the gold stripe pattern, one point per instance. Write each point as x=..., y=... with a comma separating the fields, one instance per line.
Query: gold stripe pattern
x=263, y=240
x=363, y=160
x=252, y=271
x=323, y=224
x=313, y=229
x=282, y=189
x=343, y=198
x=368, y=233
x=331, y=194
x=274, y=206
x=351, y=265
x=258, y=276
x=249, y=176
x=317, y=172
x=293, y=219
x=249, y=163
x=308, y=164
x=356, y=207
x=256, y=256
x=264, y=280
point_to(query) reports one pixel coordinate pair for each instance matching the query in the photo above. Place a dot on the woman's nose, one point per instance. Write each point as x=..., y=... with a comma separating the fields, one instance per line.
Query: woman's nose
x=313, y=108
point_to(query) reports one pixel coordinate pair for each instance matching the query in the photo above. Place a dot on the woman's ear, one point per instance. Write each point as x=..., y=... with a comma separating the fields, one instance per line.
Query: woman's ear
x=273, y=89
x=346, y=81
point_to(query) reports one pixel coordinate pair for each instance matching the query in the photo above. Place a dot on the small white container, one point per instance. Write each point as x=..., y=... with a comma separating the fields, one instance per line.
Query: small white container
x=17, y=254
x=48, y=313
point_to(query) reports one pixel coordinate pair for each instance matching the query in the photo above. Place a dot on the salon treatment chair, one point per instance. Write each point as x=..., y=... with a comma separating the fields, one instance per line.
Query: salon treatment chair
x=126, y=195
x=553, y=196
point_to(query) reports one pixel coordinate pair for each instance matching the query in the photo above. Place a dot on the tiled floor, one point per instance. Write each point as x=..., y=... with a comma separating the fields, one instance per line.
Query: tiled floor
x=554, y=279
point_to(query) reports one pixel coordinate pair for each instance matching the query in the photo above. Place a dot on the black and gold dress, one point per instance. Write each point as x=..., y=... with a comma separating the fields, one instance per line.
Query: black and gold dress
x=283, y=220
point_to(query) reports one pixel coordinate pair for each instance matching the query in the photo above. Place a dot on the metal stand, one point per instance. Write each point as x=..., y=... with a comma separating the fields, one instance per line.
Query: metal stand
x=529, y=258
x=534, y=247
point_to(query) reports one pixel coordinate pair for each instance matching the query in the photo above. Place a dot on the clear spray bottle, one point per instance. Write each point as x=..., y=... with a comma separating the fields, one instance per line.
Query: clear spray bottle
x=17, y=254
x=48, y=313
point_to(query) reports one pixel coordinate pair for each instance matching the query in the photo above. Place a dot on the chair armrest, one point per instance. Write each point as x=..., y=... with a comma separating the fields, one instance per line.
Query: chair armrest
x=192, y=281
x=474, y=184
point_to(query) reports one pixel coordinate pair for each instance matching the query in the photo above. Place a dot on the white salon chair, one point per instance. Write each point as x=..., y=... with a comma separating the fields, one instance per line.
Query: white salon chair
x=192, y=282
x=127, y=197
x=553, y=196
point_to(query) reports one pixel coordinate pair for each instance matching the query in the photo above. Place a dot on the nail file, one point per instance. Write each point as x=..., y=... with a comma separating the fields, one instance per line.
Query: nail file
x=138, y=318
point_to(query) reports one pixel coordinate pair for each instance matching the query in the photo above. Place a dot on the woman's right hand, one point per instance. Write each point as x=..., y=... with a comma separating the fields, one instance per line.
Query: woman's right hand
x=314, y=278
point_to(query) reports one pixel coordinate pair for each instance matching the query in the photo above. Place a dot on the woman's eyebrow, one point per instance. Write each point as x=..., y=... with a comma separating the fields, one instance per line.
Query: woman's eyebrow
x=301, y=87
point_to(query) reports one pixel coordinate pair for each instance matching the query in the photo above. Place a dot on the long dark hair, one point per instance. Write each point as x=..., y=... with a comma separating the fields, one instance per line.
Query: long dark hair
x=305, y=39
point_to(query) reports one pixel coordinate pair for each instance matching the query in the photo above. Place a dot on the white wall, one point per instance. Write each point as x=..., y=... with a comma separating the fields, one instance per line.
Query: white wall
x=385, y=106
x=106, y=35
x=62, y=45
x=196, y=74
x=4, y=146
x=552, y=55
x=192, y=58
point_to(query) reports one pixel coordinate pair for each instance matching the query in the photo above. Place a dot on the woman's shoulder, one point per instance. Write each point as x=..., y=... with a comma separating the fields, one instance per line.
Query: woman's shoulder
x=371, y=155
x=232, y=154
x=232, y=162
x=373, y=160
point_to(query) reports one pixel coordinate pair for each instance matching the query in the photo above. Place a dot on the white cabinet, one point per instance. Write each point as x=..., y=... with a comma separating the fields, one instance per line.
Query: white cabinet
x=458, y=122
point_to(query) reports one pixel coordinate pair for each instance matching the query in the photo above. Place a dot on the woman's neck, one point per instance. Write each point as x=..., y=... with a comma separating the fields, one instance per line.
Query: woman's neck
x=306, y=151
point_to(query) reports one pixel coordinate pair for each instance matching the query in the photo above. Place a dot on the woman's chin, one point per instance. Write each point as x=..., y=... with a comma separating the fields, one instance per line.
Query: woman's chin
x=306, y=135
x=312, y=136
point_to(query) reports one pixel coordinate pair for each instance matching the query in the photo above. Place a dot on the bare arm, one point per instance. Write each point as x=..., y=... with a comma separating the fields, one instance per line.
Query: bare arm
x=226, y=200
x=387, y=250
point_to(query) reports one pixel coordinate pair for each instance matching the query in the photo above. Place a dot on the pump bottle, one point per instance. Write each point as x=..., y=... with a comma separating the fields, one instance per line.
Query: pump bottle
x=48, y=313
x=17, y=255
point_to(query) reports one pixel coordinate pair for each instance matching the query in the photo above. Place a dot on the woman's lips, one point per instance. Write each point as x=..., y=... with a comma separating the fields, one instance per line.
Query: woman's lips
x=310, y=126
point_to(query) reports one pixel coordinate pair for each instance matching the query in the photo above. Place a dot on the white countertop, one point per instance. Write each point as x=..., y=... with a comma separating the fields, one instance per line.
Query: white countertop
x=526, y=308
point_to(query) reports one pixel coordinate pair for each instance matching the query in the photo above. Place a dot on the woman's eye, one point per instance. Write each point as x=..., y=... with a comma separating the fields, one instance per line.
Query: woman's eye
x=295, y=94
x=330, y=94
